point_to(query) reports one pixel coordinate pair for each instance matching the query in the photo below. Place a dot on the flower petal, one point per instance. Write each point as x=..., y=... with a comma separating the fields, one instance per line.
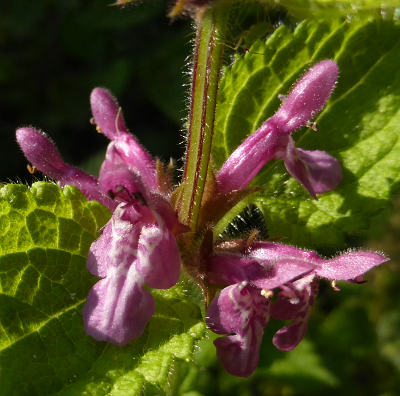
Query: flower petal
x=116, y=175
x=165, y=213
x=227, y=269
x=239, y=355
x=317, y=171
x=106, y=113
x=282, y=272
x=286, y=307
x=98, y=257
x=108, y=117
x=117, y=245
x=118, y=309
x=158, y=257
x=272, y=139
x=127, y=223
x=240, y=310
x=41, y=152
x=272, y=252
x=288, y=337
x=247, y=160
x=266, y=274
x=137, y=159
x=349, y=265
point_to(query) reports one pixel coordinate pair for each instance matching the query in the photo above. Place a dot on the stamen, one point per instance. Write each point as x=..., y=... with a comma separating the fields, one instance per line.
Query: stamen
x=282, y=98
x=312, y=125
x=267, y=293
x=120, y=190
x=334, y=287
x=92, y=121
x=117, y=119
x=139, y=196
x=31, y=169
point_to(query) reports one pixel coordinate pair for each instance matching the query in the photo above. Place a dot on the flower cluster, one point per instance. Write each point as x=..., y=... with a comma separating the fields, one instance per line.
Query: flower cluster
x=317, y=171
x=244, y=306
x=137, y=246
x=142, y=243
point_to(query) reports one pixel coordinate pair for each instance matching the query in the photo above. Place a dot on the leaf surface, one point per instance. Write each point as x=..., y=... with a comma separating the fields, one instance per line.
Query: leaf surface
x=45, y=235
x=328, y=8
x=360, y=126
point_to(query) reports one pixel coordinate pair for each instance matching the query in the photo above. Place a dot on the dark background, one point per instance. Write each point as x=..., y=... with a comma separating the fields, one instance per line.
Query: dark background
x=52, y=54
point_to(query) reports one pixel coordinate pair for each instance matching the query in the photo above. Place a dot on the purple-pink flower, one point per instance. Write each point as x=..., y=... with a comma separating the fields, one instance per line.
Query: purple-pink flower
x=41, y=152
x=317, y=171
x=249, y=276
x=243, y=307
x=138, y=248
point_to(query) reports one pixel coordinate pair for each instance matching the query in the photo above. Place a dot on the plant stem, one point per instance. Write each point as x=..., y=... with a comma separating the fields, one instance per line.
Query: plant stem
x=207, y=63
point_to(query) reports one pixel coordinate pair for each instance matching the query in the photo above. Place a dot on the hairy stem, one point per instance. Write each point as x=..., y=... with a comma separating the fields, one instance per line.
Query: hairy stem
x=205, y=77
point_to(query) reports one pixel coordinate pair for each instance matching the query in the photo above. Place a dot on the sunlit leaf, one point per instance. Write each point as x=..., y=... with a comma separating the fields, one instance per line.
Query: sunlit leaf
x=360, y=126
x=45, y=235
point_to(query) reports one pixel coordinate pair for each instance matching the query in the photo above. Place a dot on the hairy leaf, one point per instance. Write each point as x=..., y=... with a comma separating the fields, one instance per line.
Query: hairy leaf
x=45, y=235
x=321, y=8
x=360, y=126
x=312, y=8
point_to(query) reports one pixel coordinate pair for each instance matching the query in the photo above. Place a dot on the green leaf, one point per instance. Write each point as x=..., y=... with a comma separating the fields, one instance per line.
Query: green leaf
x=301, y=369
x=321, y=8
x=45, y=235
x=329, y=8
x=360, y=126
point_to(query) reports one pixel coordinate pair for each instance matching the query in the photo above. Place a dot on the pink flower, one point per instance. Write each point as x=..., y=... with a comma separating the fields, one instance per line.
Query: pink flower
x=138, y=249
x=41, y=152
x=242, y=309
x=317, y=171
x=296, y=299
x=124, y=154
x=137, y=246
